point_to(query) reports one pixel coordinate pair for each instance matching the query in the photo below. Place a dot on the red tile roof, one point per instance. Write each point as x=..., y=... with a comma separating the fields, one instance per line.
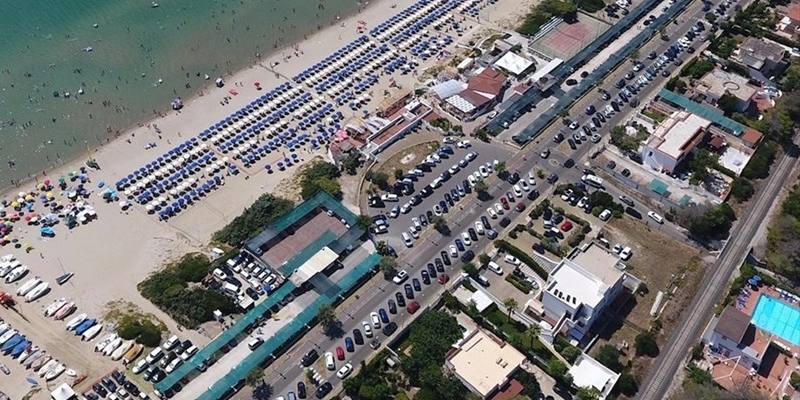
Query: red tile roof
x=489, y=81
x=508, y=391
x=474, y=98
x=751, y=135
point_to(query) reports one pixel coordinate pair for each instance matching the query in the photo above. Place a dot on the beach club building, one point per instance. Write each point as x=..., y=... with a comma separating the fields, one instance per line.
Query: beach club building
x=484, y=363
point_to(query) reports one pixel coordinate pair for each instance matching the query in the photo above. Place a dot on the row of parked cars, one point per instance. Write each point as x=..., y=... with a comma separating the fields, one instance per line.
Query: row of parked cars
x=252, y=272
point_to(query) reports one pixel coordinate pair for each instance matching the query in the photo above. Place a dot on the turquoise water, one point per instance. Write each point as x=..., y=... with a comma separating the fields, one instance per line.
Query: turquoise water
x=42, y=51
x=777, y=317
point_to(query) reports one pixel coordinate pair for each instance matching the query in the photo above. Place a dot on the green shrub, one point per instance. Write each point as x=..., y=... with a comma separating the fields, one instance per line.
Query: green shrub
x=760, y=163
x=523, y=286
x=254, y=219
x=575, y=239
x=742, y=189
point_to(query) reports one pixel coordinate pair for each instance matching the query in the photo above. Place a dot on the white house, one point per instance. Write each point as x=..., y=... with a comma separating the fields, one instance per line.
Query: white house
x=580, y=288
x=732, y=337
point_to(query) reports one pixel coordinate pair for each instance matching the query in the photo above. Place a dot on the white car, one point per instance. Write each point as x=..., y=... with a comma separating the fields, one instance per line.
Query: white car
x=478, y=176
x=448, y=140
x=344, y=371
x=524, y=185
x=511, y=260
x=219, y=274
x=437, y=210
x=489, y=167
x=405, y=208
x=395, y=211
x=495, y=268
x=465, y=238
x=472, y=180
x=140, y=366
x=655, y=217
x=463, y=144
x=413, y=231
x=532, y=177
x=376, y=321
x=545, y=153
x=454, y=169
x=330, y=363
x=173, y=365
x=605, y=215
x=626, y=254
x=453, y=251
x=517, y=191
x=492, y=213
x=367, y=329
x=483, y=171
x=566, y=195
x=582, y=202
x=499, y=208
x=400, y=277
x=479, y=228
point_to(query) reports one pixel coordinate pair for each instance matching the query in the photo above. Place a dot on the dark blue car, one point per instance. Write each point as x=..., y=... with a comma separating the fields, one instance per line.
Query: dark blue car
x=416, y=284
x=384, y=316
x=460, y=245
x=348, y=344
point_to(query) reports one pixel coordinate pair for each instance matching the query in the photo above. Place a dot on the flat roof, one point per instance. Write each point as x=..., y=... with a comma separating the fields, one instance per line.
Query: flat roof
x=585, y=278
x=63, y=392
x=513, y=63
x=719, y=82
x=314, y=265
x=588, y=372
x=674, y=134
x=485, y=362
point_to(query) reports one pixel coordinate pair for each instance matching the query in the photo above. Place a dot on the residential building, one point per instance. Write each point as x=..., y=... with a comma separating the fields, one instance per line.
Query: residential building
x=588, y=372
x=718, y=83
x=733, y=335
x=760, y=54
x=673, y=140
x=789, y=22
x=484, y=363
x=580, y=288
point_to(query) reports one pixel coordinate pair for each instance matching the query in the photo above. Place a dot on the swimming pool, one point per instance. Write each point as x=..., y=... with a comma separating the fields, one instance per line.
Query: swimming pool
x=777, y=317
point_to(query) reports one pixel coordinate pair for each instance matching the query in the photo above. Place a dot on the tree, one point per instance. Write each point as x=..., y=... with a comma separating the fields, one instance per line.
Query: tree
x=328, y=185
x=627, y=384
x=381, y=248
x=707, y=221
x=481, y=134
x=587, y=393
x=255, y=377
x=533, y=331
x=481, y=187
x=608, y=355
x=378, y=178
x=711, y=17
x=728, y=103
x=571, y=353
x=501, y=168
x=326, y=316
x=470, y=269
x=398, y=173
x=646, y=345
x=556, y=368
x=388, y=265
x=742, y=189
x=511, y=305
x=676, y=84
x=440, y=224
x=363, y=222
x=702, y=161
x=352, y=162
x=483, y=259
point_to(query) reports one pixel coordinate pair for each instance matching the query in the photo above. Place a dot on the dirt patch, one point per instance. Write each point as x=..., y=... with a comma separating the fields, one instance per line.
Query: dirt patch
x=117, y=310
x=404, y=160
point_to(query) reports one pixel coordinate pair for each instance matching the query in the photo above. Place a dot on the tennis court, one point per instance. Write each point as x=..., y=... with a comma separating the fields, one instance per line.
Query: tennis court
x=567, y=39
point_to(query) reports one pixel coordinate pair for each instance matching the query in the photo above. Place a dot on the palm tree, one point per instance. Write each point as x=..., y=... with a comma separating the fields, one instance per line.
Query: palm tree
x=364, y=222
x=380, y=247
x=387, y=265
x=533, y=331
x=481, y=186
x=255, y=377
x=501, y=168
x=511, y=305
x=439, y=223
x=326, y=316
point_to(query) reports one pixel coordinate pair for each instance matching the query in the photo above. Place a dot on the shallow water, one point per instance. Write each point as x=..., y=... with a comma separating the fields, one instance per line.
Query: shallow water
x=43, y=50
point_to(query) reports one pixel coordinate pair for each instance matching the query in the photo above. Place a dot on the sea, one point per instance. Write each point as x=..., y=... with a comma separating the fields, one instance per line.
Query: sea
x=74, y=74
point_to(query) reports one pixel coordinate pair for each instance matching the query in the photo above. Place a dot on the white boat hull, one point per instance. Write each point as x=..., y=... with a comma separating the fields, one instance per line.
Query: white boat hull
x=28, y=286
x=73, y=323
x=92, y=332
x=112, y=346
x=102, y=343
x=55, y=372
x=47, y=367
x=16, y=274
x=52, y=309
x=37, y=292
x=64, y=311
x=121, y=350
x=8, y=335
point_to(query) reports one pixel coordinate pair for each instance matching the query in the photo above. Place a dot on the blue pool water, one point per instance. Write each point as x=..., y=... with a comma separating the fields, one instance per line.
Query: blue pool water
x=777, y=317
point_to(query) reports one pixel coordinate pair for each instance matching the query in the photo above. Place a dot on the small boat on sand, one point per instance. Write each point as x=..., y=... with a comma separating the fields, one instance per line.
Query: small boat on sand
x=5, y=369
x=29, y=352
x=112, y=346
x=29, y=285
x=102, y=343
x=92, y=332
x=19, y=348
x=8, y=335
x=33, y=358
x=55, y=372
x=17, y=273
x=84, y=326
x=64, y=311
x=4, y=327
x=73, y=323
x=64, y=278
x=131, y=355
x=54, y=307
x=121, y=350
x=9, y=345
x=47, y=367
x=37, y=292
x=36, y=365
x=7, y=258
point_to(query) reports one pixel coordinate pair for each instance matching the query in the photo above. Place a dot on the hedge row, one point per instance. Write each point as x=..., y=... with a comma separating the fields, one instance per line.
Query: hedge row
x=523, y=286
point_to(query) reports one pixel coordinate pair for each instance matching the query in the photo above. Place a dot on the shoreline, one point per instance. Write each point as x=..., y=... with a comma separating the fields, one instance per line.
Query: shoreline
x=74, y=163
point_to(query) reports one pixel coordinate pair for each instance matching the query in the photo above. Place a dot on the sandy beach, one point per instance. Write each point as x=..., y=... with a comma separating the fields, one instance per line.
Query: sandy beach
x=110, y=255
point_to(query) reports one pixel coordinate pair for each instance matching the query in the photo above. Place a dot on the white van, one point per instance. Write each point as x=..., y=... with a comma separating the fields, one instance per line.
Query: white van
x=655, y=217
x=390, y=197
x=495, y=268
x=231, y=289
x=329, y=362
x=255, y=343
x=154, y=355
x=407, y=239
x=189, y=353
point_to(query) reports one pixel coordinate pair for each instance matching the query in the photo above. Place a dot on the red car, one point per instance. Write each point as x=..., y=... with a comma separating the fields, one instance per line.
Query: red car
x=443, y=278
x=566, y=226
x=412, y=307
x=520, y=207
x=505, y=202
x=340, y=353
